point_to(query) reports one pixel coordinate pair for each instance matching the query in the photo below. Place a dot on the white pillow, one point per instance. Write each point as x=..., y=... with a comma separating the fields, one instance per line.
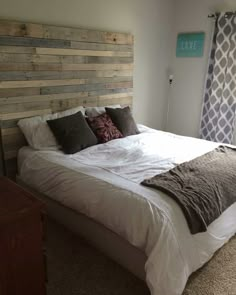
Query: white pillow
x=96, y=111
x=37, y=132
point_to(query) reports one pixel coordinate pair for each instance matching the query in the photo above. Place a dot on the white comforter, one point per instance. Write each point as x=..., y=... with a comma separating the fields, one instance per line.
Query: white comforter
x=103, y=183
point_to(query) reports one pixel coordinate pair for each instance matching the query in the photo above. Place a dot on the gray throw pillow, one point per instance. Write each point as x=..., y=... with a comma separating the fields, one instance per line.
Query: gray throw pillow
x=72, y=133
x=123, y=120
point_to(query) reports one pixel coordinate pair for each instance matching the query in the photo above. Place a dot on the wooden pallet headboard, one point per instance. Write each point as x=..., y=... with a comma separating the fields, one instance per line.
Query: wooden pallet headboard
x=45, y=69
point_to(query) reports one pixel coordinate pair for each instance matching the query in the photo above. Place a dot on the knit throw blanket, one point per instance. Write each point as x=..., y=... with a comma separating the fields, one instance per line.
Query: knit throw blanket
x=203, y=187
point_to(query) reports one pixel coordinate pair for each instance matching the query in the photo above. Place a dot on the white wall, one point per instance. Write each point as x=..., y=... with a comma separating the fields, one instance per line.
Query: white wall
x=189, y=73
x=150, y=21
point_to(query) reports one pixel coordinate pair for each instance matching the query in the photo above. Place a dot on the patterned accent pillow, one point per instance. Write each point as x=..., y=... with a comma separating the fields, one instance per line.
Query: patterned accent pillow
x=104, y=128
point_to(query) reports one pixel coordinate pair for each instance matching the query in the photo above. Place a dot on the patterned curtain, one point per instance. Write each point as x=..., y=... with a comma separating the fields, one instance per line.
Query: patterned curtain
x=219, y=106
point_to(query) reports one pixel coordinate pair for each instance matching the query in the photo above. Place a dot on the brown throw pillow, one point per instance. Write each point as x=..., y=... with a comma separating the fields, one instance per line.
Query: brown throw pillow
x=72, y=133
x=123, y=120
x=104, y=128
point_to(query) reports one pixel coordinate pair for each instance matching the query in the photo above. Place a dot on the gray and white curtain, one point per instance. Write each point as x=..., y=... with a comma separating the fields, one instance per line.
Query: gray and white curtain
x=219, y=106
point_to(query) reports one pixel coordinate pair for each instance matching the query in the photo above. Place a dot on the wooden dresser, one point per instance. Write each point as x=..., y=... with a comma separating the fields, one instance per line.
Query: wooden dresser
x=22, y=270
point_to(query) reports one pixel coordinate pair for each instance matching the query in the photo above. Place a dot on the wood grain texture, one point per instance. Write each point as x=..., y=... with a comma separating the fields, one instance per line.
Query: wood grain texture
x=59, y=51
x=19, y=115
x=45, y=69
x=21, y=29
x=9, y=92
x=62, y=59
x=18, y=29
x=48, y=75
x=90, y=49
x=75, y=34
x=11, y=131
x=36, y=42
x=36, y=58
x=41, y=83
x=47, y=43
x=112, y=93
x=86, y=87
x=36, y=66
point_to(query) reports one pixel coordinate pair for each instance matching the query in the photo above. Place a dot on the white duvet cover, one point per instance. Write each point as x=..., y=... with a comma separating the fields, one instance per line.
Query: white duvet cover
x=103, y=182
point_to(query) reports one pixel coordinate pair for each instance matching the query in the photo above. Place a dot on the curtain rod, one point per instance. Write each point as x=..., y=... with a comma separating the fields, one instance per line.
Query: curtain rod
x=227, y=14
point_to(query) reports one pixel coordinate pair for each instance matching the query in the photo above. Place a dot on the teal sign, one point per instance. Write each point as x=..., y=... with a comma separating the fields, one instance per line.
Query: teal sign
x=190, y=45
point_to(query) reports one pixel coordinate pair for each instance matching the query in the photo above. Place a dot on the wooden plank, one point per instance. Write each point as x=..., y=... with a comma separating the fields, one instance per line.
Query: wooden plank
x=16, y=49
x=119, y=100
x=11, y=131
x=42, y=98
x=119, y=85
x=59, y=51
x=97, y=67
x=115, y=73
x=13, y=140
x=29, y=67
x=24, y=42
x=89, y=102
x=110, y=91
x=60, y=96
x=61, y=104
x=54, y=105
x=76, y=34
x=34, y=42
x=90, y=88
x=109, y=60
x=58, y=106
x=52, y=75
x=9, y=123
x=45, y=83
x=61, y=59
x=58, y=59
x=36, y=105
x=63, y=67
x=100, y=46
x=24, y=107
x=41, y=83
x=115, y=96
x=12, y=58
x=35, y=58
x=86, y=87
x=12, y=92
x=20, y=115
x=22, y=29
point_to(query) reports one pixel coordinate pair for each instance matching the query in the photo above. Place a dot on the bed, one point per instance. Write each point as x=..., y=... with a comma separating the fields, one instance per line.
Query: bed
x=103, y=183
x=97, y=192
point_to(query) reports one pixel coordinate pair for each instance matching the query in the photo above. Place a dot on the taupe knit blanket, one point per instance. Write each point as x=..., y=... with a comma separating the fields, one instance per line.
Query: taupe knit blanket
x=203, y=187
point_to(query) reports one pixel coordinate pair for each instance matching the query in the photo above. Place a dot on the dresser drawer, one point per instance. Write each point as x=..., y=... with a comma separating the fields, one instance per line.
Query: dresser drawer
x=22, y=268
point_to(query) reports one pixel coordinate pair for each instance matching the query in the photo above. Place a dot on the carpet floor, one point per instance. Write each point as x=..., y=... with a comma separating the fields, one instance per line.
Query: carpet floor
x=75, y=268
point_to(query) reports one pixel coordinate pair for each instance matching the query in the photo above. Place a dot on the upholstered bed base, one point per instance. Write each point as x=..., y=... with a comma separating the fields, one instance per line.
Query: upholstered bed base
x=96, y=234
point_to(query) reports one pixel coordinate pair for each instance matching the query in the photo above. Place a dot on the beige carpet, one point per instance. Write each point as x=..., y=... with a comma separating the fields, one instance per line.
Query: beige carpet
x=75, y=268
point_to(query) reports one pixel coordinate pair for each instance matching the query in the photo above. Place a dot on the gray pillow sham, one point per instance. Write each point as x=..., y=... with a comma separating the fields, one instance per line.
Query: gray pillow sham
x=123, y=120
x=72, y=133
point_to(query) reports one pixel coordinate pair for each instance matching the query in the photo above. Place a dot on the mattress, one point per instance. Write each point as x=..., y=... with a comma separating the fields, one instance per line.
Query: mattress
x=103, y=182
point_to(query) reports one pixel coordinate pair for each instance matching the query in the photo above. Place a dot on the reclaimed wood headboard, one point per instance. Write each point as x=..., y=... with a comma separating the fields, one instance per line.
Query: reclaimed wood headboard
x=45, y=69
